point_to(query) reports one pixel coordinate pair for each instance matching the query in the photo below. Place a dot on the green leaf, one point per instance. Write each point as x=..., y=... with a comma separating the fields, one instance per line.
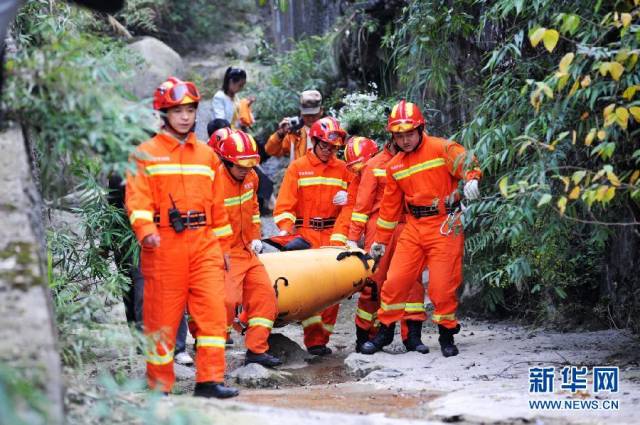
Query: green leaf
x=544, y=199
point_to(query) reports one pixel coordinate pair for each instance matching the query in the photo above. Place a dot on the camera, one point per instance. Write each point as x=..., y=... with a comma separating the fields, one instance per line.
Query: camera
x=295, y=123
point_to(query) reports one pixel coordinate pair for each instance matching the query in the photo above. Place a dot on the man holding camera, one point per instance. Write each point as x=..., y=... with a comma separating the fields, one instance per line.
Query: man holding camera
x=291, y=139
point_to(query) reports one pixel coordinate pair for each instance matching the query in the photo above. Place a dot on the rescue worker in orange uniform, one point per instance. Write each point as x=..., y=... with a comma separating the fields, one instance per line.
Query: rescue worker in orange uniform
x=363, y=221
x=423, y=178
x=294, y=142
x=179, y=218
x=312, y=194
x=248, y=284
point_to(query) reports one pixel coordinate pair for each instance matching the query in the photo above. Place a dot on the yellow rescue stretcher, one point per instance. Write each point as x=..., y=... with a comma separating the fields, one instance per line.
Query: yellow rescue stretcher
x=308, y=281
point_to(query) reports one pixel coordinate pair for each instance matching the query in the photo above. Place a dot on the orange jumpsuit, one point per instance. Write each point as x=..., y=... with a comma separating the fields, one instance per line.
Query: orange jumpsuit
x=423, y=178
x=305, y=201
x=247, y=283
x=363, y=220
x=277, y=146
x=187, y=269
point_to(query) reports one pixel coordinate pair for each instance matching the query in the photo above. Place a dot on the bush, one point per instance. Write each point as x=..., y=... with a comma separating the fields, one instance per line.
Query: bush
x=364, y=114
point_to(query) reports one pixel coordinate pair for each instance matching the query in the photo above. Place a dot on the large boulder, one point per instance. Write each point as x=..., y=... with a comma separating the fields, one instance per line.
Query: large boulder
x=256, y=376
x=159, y=61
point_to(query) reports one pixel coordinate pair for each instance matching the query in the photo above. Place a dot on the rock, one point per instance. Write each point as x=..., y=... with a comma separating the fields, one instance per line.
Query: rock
x=183, y=373
x=359, y=365
x=241, y=51
x=159, y=62
x=386, y=373
x=27, y=322
x=254, y=375
x=287, y=350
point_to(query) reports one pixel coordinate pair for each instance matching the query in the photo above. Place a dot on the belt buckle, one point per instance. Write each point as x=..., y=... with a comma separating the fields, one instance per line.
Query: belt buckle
x=188, y=219
x=316, y=223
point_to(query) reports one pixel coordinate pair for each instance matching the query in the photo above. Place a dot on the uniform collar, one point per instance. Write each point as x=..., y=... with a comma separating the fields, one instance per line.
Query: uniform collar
x=171, y=142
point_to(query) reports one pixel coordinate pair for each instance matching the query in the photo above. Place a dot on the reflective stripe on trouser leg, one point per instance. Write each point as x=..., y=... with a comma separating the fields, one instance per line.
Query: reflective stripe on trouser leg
x=445, y=277
x=206, y=305
x=366, y=309
x=165, y=271
x=259, y=301
x=405, y=266
x=313, y=331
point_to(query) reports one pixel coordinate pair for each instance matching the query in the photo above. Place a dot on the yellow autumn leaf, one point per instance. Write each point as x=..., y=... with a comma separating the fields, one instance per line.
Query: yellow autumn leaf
x=586, y=82
x=632, y=61
x=574, y=137
x=635, y=112
x=622, y=117
x=601, y=192
x=602, y=135
x=550, y=39
x=630, y=92
x=575, y=193
x=565, y=62
x=634, y=176
x=565, y=180
x=626, y=19
x=503, y=186
x=616, y=70
x=536, y=36
x=590, y=136
x=613, y=178
x=562, y=204
x=609, y=117
x=610, y=193
x=574, y=88
x=545, y=89
x=604, y=68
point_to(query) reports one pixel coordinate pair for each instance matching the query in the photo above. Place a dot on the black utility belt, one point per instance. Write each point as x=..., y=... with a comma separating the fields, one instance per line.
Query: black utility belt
x=317, y=223
x=419, y=211
x=189, y=219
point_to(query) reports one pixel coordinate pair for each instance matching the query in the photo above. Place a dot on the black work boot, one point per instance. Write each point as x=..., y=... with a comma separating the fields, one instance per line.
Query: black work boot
x=383, y=337
x=362, y=336
x=414, y=337
x=264, y=359
x=447, y=346
x=214, y=390
x=319, y=350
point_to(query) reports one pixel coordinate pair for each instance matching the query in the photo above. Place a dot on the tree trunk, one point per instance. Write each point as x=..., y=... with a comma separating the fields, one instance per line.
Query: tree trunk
x=27, y=324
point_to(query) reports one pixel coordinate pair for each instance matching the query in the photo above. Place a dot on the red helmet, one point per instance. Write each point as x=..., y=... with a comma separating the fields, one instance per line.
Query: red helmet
x=218, y=136
x=240, y=148
x=328, y=130
x=174, y=92
x=359, y=150
x=404, y=117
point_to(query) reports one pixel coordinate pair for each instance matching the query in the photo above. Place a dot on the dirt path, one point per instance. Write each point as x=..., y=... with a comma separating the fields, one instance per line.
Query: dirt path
x=487, y=383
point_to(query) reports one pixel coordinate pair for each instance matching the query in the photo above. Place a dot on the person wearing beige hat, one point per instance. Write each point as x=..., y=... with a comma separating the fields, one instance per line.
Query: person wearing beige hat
x=292, y=140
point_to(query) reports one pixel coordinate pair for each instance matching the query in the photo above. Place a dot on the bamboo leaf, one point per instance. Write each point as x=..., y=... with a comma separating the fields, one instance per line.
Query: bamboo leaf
x=635, y=112
x=578, y=176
